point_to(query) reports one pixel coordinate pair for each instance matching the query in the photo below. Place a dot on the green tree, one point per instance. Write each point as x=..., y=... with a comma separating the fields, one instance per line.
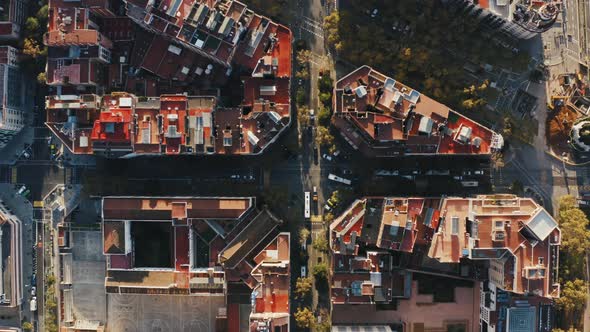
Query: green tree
x=328, y=217
x=325, y=98
x=300, y=97
x=326, y=324
x=332, y=30
x=302, y=73
x=41, y=78
x=324, y=115
x=573, y=299
x=303, y=235
x=575, y=237
x=304, y=116
x=27, y=326
x=304, y=318
x=42, y=13
x=303, y=57
x=570, y=329
x=335, y=197
x=323, y=136
x=31, y=25
x=320, y=272
x=321, y=243
x=31, y=48
x=303, y=287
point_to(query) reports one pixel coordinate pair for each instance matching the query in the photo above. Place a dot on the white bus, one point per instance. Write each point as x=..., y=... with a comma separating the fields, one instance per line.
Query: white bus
x=307, y=205
x=339, y=179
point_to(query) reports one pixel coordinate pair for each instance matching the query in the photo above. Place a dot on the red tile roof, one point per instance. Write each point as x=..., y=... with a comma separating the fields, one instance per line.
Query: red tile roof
x=383, y=117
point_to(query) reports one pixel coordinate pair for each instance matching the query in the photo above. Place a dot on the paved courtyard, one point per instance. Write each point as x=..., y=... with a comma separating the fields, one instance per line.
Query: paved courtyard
x=130, y=313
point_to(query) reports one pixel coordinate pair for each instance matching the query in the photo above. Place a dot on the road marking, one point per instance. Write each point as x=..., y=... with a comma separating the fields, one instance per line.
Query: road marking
x=312, y=32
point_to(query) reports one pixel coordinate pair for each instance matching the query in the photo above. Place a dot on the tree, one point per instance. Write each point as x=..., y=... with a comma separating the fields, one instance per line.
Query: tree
x=571, y=329
x=303, y=235
x=304, y=318
x=329, y=217
x=326, y=324
x=304, y=116
x=325, y=98
x=303, y=57
x=303, y=287
x=335, y=197
x=323, y=136
x=575, y=237
x=320, y=243
x=320, y=272
x=516, y=187
x=325, y=83
x=31, y=48
x=324, y=115
x=27, y=326
x=41, y=78
x=573, y=299
x=31, y=25
x=300, y=97
x=43, y=13
x=332, y=30
x=302, y=73
x=567, y=202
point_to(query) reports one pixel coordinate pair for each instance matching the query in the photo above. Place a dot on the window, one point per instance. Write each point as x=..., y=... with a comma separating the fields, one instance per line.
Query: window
x=541, y=260
x=499, y=224
x=227, y=141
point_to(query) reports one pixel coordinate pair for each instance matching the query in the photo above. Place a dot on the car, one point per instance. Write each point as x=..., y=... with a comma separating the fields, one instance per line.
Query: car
x=34, y=276
x=34, y=303
x=21, y=190
x=458, y=177
x=315, y=193
x=374, y=13
x=415, y=172
x=311, y=114
x=327, y=157
x=235, y=177
x=478, y=172
x=466, y=172
x=327, y=208
x=33, y=291
x=26, y=155
x=303, y=271
x=300, y=82
x=346, y=171
x=336, y=153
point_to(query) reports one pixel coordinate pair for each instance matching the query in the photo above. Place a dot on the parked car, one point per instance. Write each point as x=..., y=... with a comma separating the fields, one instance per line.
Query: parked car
x=33, y=291
x=478, y=172
x=327, y=208
x=374, y=13
x=315, y=193
x=21, y=190
x=327, y=157
x=303, y=272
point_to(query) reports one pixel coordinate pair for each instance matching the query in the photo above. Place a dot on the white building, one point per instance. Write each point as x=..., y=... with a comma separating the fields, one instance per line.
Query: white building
x=516, y=18
x=12, y=96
